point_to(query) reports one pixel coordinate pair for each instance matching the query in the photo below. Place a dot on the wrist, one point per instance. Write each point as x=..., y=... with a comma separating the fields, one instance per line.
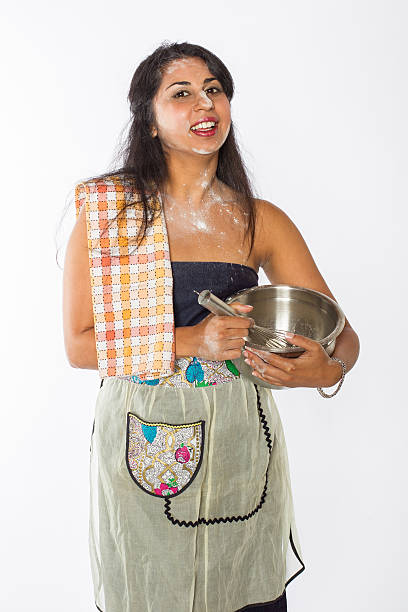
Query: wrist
x=340, y=381
x=186, y=341
x=334, y=373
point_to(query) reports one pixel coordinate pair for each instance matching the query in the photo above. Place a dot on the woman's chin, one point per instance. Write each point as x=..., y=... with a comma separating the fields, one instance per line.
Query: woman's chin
x=205, y=148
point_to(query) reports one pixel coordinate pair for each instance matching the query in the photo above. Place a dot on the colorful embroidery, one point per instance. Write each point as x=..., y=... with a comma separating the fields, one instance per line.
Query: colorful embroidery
x=152, y=382
x=232, y=368
x=132, y=287
x=163, y=459
x=167, y=489
x=182, y=454
x=194, y=372
x=149, y=432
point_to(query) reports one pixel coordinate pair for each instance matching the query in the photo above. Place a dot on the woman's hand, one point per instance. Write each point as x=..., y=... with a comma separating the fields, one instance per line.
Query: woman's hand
x=221, y=337
x=314, y=367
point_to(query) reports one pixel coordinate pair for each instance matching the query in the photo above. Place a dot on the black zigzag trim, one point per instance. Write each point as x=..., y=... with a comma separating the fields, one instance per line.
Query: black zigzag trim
x=228, y=519
x=263, y=421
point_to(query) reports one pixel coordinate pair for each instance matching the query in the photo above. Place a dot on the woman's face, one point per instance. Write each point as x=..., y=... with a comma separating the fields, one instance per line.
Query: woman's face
x=177, y=107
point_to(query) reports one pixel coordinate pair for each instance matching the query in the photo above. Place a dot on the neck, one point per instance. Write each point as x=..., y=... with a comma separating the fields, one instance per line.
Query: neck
x=190, y=178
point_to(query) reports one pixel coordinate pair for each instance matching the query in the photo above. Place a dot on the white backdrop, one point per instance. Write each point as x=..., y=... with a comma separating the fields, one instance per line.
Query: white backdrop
x=321, y=114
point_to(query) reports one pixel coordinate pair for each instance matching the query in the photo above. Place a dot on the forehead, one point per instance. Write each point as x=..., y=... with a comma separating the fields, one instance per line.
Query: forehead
x=181, y=69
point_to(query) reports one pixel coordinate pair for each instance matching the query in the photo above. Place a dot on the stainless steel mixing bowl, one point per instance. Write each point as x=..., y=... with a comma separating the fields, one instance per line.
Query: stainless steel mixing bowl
x=296, y=309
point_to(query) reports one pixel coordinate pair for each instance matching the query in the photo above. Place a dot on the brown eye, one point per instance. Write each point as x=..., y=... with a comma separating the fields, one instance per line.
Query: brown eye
x=217, y=89
x=182, y=91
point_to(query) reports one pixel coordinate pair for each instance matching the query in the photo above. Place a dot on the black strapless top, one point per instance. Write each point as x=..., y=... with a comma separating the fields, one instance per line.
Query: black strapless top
x=220, y=277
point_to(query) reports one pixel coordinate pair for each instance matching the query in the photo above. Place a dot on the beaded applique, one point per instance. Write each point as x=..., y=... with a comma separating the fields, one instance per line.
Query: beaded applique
x=193, y=372
x=163, y=459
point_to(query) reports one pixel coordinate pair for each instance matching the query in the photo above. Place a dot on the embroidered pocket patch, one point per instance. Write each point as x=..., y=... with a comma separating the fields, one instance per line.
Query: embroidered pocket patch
x=163, y=459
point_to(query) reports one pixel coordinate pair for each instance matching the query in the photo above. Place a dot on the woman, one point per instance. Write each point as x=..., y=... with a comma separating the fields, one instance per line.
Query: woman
x=173, y=418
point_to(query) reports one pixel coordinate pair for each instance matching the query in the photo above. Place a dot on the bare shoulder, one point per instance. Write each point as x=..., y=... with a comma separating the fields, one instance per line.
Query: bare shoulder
x=272, y=228
x=270, y=213
x=285, y=254
x=286, y=258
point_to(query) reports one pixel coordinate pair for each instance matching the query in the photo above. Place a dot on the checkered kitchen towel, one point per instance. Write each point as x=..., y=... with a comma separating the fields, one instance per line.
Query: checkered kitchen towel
x=132, y=287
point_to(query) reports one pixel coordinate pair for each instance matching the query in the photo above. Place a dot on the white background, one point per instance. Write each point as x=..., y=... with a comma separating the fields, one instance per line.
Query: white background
x=321, y=115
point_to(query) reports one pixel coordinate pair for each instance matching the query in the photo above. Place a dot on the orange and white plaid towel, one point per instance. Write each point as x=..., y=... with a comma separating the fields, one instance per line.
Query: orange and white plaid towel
x=132, y=287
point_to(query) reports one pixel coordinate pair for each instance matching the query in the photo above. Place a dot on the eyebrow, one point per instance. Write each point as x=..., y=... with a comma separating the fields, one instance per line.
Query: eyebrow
x=188, y=83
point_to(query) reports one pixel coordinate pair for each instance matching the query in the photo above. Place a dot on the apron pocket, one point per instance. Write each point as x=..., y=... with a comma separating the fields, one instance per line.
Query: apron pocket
x=163, y=459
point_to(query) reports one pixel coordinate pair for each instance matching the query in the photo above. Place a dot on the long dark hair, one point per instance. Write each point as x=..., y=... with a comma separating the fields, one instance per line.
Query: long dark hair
x=144, y=166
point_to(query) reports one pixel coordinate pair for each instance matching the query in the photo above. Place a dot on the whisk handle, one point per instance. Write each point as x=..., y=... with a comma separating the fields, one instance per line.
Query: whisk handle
x=212, y=303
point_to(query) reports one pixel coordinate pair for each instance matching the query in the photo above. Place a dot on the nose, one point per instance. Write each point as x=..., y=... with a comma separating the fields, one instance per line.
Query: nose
x=203, y=101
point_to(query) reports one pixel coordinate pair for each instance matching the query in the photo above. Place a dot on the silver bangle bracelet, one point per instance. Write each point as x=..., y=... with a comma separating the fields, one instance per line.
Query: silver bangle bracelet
x=343, y=366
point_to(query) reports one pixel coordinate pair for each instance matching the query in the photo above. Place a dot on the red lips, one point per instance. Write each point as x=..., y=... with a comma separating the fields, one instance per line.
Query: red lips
x=205, y=119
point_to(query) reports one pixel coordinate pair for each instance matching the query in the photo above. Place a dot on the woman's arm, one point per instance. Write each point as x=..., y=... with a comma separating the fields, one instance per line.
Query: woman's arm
x=82, y=347
x=347, y=349
x=78, y=320
x=79, y=332
x=186, y=341
x=286, y=259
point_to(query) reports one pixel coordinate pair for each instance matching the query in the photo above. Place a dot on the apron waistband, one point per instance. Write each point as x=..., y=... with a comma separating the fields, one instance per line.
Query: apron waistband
x=192, y=372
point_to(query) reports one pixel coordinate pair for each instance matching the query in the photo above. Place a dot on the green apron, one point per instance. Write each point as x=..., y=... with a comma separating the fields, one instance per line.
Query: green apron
x=190, y=502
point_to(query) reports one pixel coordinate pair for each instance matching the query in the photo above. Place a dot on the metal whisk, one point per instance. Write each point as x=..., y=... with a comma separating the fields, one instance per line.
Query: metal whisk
x=271, y=338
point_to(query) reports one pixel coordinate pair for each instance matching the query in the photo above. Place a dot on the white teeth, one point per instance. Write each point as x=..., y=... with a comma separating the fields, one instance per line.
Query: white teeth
x=204, y=125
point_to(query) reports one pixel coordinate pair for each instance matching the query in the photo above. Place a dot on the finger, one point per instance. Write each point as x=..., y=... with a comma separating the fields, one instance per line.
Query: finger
x=279, y=362
x=230, y=334
x=239, y=306
x=232, y=354
x=241, y=309
x=269, y=379
x=266, y=369
x=303, y=341
x=234, y=344
x=237, y=322
x=276, y=380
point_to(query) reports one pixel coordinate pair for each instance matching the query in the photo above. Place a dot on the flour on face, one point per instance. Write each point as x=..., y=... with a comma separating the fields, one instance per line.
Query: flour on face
x=175, y=115
x=201, y=212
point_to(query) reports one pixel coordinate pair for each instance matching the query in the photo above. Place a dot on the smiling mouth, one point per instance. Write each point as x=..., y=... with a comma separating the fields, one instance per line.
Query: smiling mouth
x=206, y=132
